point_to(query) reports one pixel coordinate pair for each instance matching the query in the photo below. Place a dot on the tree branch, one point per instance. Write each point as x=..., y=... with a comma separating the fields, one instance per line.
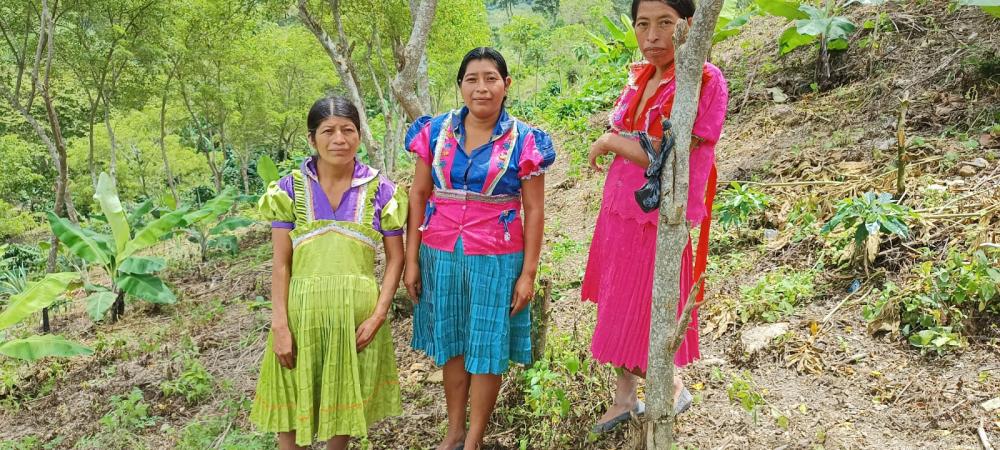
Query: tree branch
x=403, y=86
x=691, y=50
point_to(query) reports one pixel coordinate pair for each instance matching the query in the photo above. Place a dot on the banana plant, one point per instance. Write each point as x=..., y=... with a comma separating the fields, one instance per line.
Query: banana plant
x=622, y=46
x=35, y=297
x=116, y=253
x=205, y=228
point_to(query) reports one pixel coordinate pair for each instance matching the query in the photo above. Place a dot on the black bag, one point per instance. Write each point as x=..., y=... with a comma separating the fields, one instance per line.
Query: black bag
x=648, y=196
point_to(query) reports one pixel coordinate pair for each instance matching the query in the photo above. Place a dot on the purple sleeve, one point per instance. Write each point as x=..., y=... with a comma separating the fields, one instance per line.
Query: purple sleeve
x=285, y=184
x=386, y=190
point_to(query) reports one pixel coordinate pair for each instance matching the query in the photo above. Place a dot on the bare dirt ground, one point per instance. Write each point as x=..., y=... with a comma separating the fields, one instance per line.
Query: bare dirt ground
x=825, y=382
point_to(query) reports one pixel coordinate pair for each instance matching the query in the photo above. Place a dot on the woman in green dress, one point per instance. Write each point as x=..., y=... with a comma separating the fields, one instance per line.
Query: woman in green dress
x=329, y=371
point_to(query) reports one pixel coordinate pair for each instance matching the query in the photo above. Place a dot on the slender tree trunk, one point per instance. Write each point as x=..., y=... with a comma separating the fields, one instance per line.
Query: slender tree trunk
x=672, y=231
x=340, y=54
x=163, y=136
x=414, y=55
x=244, y=171
x=423, y=79
x=90, y=150
x=216, y=175
x=113, y=167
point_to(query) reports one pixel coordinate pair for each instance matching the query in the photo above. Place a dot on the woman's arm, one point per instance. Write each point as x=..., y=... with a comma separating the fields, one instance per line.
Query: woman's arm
x=390, y=281
x=281, y=273
x=622, y=146
x=420, y=191
x=533, y=200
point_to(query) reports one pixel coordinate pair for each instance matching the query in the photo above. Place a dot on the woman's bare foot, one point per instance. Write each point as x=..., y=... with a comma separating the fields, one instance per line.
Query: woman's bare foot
x=452, y=440
x=678, y=386
x=616, y=410
x=625, y=398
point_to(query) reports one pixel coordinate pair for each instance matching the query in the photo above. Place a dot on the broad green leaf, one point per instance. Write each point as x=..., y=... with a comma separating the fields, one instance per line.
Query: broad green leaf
x=140, y=211
x=104, y=242
x=215, y=207
x=992, y=10
x=791, y=40
x=782, y=8
x=152, y=233
x=616, y=33
x=77, y=240
x=107, y=196
x=36, y=296
x=146, y=287
x=34, y=348
x=838, y=44
x=266, y=169
x=142, y=265
x=895, y=227
x=840, y=28
x=812, y=27
x=98, y=304
x=230, y=224
x=630, y=40
x=227, y=243
x=599, y=42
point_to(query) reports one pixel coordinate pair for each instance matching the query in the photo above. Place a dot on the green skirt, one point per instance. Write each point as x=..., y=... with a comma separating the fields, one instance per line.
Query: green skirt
x=333, y=390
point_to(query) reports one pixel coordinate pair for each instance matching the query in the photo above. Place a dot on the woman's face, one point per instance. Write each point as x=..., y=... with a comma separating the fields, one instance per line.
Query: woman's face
x=654, y=31
x=483, y=88
x=336, y=140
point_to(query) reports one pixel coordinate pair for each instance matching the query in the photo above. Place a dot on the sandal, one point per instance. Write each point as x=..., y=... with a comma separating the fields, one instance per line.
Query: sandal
x=601, y=428
x=684, y=402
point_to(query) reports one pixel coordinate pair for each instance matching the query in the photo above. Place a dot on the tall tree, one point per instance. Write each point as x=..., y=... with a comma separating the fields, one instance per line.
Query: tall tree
x=410, y=58
x=31, y=79
x=106, y=35
x=672, y=232
x=547, y=8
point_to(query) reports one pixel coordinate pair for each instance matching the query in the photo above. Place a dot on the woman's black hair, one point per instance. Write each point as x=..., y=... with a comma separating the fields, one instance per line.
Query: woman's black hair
x=684, y=8
x=332, y=106
x=482, y=53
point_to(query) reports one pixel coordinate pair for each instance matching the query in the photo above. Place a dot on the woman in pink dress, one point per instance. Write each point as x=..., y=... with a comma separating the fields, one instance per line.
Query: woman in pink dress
x=621, y=282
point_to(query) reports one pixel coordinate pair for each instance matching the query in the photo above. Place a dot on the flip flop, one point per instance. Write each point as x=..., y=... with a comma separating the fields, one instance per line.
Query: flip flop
x=601, y=428
x=684, y=401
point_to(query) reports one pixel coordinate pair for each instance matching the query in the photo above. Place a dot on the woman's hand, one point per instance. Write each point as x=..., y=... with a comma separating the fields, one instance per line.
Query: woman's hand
x=283, y=346
x=411, y=279
x=524, y=290
x=599, y=148
x=366, y=332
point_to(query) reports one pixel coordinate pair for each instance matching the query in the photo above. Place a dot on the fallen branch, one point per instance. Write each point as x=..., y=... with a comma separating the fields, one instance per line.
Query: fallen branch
x=983, y=437
x=784, y=184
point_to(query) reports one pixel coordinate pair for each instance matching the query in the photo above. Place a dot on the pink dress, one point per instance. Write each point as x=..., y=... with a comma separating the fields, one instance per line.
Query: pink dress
x=619, y=281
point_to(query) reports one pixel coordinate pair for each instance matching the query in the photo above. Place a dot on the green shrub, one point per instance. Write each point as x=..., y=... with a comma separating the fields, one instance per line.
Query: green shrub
x=775, y=295
x=14, y=221
x=194, y=384
x=739, y=206
x=868, y=215
x=934, y=315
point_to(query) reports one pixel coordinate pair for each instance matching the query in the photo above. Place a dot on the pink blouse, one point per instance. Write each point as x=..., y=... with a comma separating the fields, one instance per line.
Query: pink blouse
x=625, y=177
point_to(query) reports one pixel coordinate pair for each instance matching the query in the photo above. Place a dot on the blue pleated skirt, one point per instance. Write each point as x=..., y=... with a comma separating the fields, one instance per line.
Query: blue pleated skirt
x=464, y=310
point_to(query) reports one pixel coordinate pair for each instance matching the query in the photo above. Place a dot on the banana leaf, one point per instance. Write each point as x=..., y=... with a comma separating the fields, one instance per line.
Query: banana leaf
x=36, y=347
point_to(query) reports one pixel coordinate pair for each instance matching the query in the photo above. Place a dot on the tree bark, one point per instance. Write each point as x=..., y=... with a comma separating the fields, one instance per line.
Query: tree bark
x=413, y=55
x=216, y=175
x=113, y=167
x=340, y=54
x=163, y=135
x=672, y=233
